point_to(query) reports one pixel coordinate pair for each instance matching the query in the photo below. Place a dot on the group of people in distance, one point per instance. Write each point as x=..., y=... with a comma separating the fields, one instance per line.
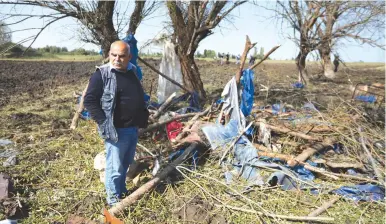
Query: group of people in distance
x=223, y=56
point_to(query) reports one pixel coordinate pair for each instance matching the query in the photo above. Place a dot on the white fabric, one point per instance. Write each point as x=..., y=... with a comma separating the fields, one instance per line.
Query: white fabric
x=231, y=103
x=170, y=66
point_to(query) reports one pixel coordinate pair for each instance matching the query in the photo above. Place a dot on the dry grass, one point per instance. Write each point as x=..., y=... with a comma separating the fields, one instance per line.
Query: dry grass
x=55, y=177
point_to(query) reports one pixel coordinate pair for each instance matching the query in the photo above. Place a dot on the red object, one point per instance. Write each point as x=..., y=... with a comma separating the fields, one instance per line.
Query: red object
x=173, y=129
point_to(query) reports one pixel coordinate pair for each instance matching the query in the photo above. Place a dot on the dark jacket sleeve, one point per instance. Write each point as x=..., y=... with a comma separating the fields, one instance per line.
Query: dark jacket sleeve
x=93, y=96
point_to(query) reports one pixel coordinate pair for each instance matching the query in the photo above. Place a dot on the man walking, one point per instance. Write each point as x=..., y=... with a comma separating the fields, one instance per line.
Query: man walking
x=115, y=100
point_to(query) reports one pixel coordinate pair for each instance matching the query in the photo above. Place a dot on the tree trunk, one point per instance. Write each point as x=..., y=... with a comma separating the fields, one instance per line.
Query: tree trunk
x=190, y=73
x=327, y=65
x=301, y=65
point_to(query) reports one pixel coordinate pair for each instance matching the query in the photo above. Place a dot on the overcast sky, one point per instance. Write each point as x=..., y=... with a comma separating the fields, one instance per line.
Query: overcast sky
x=230, y=37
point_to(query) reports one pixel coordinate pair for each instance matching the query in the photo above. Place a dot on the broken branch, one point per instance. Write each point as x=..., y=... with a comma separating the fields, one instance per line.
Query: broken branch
x=74, y=122
x=247, y=48
x=136, y=195
x=265, y=57
x=163, y=75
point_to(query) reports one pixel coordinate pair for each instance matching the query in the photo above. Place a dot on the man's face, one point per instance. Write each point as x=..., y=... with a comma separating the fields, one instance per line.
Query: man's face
x=119, y=57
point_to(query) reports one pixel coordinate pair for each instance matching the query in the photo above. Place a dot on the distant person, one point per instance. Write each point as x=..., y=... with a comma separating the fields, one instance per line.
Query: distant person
x=221, y=58
x=227, y=58
x=252, y=60
x=336, y=62
x=115, y=100
x=238, y=59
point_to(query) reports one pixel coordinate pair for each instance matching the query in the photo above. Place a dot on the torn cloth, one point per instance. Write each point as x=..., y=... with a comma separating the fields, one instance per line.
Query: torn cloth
x=231, y=103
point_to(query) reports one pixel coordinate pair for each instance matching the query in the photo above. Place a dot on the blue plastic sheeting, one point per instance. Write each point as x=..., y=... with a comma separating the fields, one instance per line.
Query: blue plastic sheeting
x=298, y=85
x=130, y=39
x=277, y=108
x=179, y=152
x=219, y=135
x=362, y=192
x=367, y=99
x=248, y=92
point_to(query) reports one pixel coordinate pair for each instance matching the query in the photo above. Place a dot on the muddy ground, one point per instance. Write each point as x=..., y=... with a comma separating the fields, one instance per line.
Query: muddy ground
x=54, y=176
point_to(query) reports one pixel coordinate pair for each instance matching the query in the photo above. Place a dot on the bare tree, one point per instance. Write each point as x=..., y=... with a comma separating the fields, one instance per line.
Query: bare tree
x=361, y=21
x=192, y=22
x=96, y=18
x=320, y=25
x=302, y=17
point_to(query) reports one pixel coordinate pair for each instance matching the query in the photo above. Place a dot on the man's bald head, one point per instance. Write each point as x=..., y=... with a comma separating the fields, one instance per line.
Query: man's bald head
x=119, y=55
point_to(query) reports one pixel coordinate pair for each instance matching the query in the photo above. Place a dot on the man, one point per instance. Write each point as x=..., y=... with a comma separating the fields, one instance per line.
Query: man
x=115, y=100
x=238, y=59
x=227, y=58
x=336, y=62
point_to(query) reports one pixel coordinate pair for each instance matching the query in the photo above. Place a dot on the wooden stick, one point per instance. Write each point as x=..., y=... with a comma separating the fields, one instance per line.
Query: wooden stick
x=136, y=195
x=74, y=122
x=290, y=132
x=323, y=208
x=158, y=124
x=165, y=104
x=189, y=125
x=287, y=217
x=265, y=57
x=247, y=48
x=264, y=151
x=163, y=75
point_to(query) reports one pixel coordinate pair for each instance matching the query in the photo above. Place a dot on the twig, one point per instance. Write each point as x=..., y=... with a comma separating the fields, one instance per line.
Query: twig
x=146, y=149
x=370, y=157
x=264, y=213
x=295, y=218
x=323, y=208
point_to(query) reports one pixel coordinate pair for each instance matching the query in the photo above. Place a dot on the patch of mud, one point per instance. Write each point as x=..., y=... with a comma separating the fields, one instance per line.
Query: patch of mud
x=197, y=210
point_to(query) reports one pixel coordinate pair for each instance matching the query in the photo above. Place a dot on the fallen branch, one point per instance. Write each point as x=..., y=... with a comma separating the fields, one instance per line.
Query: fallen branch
x=265, y=57
x=136, y=195
x=288, y=131
x=371, y=159
x=74, y=122
x=342, y=165
x=163, y=75
x=323, y=208
x=247, y=48
x=164, y=105
x=264, y=151
x=158, y=124
x=189, y=125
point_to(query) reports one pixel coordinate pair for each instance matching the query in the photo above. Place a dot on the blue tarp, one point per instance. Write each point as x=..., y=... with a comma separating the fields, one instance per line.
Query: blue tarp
x=130, y=39
x=248, y=92
x=367, y=99
x=362, y=192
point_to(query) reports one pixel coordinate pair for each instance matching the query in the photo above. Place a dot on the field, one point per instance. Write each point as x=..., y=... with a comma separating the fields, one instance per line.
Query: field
x=54, y=176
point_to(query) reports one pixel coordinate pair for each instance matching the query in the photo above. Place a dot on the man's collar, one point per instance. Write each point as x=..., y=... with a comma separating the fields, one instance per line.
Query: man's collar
x=129, y=67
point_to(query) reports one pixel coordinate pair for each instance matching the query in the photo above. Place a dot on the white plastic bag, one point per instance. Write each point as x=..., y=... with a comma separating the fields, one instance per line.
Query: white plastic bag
x=170, y=66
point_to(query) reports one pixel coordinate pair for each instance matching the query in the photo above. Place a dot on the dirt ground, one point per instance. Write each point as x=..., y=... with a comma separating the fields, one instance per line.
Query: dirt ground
x=54, y=176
